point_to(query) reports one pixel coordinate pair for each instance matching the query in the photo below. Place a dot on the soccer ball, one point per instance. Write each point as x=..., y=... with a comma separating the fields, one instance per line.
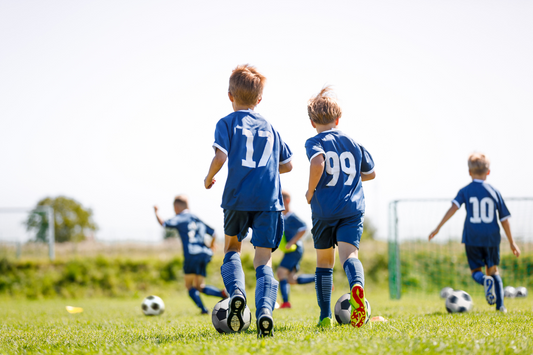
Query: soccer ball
x=220, y=317
x=509, y=292
x=153, y=306
x=459, y=302
x=521, y=291
x=343, y=310
x=445, y=292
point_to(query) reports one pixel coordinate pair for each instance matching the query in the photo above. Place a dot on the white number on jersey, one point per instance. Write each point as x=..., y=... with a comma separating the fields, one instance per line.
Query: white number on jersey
x=334, y=165
x=192, y=231
x=249, y=162
x=482, y=211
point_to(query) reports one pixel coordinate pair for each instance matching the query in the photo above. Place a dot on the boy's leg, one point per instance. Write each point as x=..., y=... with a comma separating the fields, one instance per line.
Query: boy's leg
x=325, y=260
x=305, y=279
x=498, y=288
x=199, y=284
x=488, y=284
x=233, y=276
x=193, y=292
x=478, y=257
x=353, y=268
x=284, y=286
x=266, y=291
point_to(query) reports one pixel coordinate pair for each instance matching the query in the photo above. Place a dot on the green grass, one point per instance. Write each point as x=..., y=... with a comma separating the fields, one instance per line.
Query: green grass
x=117, y=326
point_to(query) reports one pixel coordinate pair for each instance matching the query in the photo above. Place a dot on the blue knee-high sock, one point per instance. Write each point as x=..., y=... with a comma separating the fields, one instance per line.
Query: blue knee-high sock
x=478, y=277
x=232, y=273
x=212, y=291
x=498, y=288
x=195, y=295
x=354, y=271
x=305, y=279
x=323, y=283
x=266, y=289
x=285, y=289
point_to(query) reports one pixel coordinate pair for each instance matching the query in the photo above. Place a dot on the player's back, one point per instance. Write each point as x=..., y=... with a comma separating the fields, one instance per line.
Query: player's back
x=292, y=226
x=484, y=206
x=255, y=151
x=192, y=233
x=339, y=193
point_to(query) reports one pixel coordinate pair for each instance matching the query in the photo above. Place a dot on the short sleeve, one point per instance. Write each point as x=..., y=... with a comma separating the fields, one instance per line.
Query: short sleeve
x=313, y=148
x=459, y=199
x=222, y=137
x=367, y=163
x=285, y=154
x=169, y=224
x=209, y=230
x=503, y=212
x=300, y=225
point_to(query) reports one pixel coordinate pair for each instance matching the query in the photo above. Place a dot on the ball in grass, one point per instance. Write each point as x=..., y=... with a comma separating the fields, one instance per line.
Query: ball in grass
x=521, y=291
x=459, y=302
x=343, y=310
x=219, y=317
x=509, y=292
x=445, y=292
x=153, y=306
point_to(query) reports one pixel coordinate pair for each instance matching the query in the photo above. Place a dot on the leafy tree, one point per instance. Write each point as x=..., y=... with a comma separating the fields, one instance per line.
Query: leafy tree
x=71, y=220
x=369, y=230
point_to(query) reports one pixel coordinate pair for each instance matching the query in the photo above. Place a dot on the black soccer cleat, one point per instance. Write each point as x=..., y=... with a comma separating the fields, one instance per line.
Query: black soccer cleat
x=265, y=324
x=237, y=304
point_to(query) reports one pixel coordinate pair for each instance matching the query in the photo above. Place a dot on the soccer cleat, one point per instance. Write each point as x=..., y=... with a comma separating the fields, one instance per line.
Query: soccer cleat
x=325, y=323
x=205, y=312
x=225, y=293
x=285, y=305
x=265, y=324
x=359, y=311
x=502, y=309
x=237, y=304
x=490, y=294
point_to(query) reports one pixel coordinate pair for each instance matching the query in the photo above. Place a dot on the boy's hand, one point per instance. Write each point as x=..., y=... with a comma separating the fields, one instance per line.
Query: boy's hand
x=209, y=184
x=433, y=234
x=515, y=249
x=156, y=209
x=309, y=196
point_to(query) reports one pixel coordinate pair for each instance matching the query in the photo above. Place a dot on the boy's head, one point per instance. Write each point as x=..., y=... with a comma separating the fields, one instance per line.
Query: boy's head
x=324, y=108
x=478, y=164
x=181, y=203
x=286, y=197
x=246, y=85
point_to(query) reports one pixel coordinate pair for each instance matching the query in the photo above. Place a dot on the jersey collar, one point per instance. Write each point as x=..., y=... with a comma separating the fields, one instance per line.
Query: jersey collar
x=477, y=180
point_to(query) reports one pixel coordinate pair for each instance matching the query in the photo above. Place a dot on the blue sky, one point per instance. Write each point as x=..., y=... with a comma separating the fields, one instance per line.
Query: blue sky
x=115, y=103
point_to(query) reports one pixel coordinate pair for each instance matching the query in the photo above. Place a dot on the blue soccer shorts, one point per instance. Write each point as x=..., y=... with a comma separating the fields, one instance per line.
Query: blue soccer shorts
x=291, y=261
x=482, y=256
x=327, y=233
x=196, y=264
x=267, y=227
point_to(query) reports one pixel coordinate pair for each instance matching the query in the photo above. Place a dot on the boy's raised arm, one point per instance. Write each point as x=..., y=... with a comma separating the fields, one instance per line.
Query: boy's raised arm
x=445, y=219
x=507, y=228
x=216, y=164
x=315, y=173
x=285, y=168
x=159, y=219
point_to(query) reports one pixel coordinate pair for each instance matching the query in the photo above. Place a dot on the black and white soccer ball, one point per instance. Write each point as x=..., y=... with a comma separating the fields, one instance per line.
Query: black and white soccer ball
x=220, y=317
x=445, y=292
x=509, y=292
x=343, y=309
x=521, y=291
x=458, y=302
x=153, y=306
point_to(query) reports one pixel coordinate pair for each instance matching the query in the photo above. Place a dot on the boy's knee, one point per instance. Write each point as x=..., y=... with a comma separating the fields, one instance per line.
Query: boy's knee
x=493, y=270
x=231, y=255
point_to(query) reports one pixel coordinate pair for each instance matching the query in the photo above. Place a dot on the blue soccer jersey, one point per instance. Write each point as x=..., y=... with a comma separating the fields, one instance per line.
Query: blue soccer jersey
x=339, y=193
x=481, y=225
x=255, y=151
x=192, y=232
x=293, y=225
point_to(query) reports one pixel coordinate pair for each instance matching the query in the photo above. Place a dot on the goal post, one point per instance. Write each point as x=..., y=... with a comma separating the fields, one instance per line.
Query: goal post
x=419, y=266
x=12, y=229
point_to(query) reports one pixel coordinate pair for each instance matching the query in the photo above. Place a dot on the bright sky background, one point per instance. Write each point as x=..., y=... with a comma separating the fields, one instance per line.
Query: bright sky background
x=114, y=103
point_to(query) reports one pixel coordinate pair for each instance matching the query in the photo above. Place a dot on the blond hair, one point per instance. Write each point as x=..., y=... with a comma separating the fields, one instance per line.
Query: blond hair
x=246, y=84
x=478, y=163
x=324, y=108
x=181, y=200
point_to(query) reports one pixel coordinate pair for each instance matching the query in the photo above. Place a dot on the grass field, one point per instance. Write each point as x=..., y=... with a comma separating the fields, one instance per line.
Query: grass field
x=117, y=326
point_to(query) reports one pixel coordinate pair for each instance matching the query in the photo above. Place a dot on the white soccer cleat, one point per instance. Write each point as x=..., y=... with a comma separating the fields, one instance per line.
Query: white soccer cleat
x=490, y=294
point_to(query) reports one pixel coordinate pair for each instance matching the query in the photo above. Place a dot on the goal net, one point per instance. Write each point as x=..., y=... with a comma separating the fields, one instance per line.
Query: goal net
x=417, y=265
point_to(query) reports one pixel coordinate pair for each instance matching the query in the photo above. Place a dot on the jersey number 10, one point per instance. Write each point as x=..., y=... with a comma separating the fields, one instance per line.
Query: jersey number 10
x=482, y=211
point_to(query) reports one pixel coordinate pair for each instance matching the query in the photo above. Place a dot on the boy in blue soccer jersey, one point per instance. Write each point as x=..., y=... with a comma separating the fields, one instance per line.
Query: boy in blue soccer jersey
x=481, y=232
x=339, y=165
x=252, y=198
x=196, y=254
x=295, y=229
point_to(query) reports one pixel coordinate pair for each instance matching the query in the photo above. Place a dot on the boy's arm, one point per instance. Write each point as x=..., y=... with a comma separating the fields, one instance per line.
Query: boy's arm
x=159, y=219
x=216, y=164
x=507, y=228
x=367, y=177
x=445, y=219
x=315, y=173
x=285, y=168
x=296, y=238
x=213, y=241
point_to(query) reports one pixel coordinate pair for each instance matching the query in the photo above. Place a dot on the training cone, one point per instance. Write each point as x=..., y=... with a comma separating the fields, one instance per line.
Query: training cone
x=378, y=319
x=72, y=310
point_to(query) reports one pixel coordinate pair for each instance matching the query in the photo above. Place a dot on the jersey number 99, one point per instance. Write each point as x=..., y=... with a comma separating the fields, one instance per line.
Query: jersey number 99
x=334, y=165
